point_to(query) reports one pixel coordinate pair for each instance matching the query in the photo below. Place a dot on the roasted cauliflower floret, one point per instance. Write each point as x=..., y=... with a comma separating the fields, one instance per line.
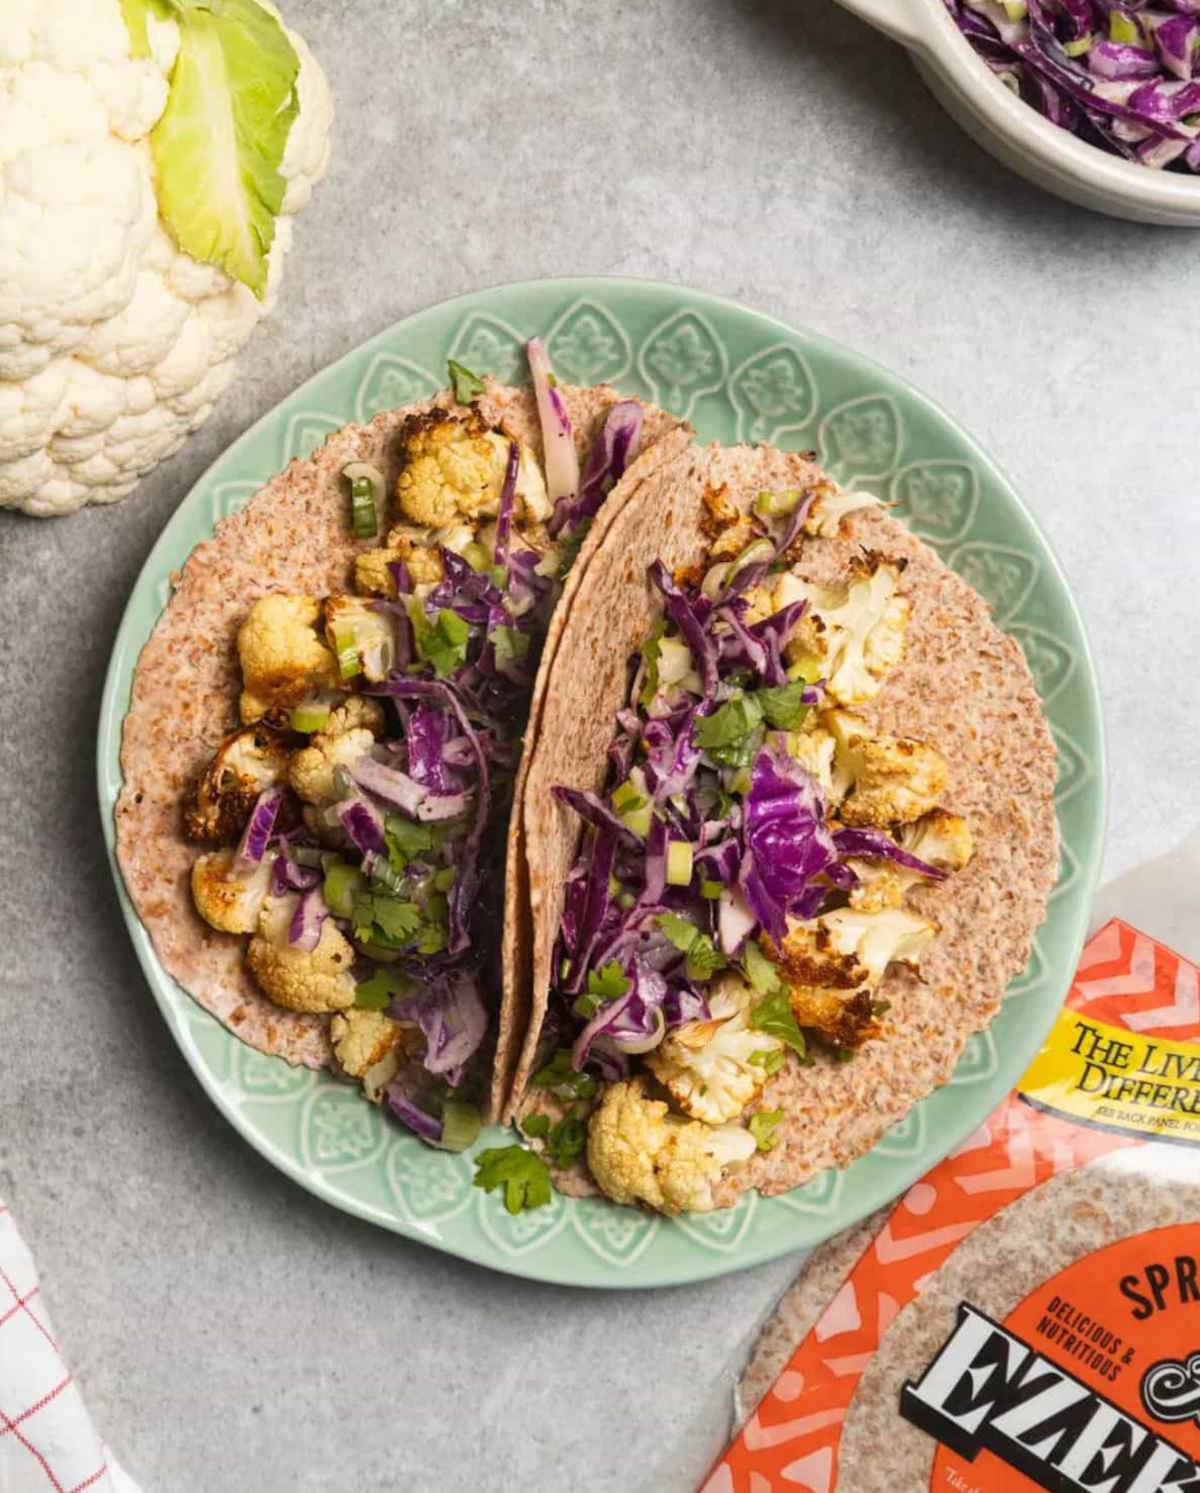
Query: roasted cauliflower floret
x=219, y=801
x=370, y=1046
x=882, y=780
x=724, y=523
x=832, y=964
x=282, y=655
x=362, y=638
x=813, y=750
x=317, y=980
x=637, y=1152
x=853, y=633
x=355, y=713
x=423, y=562
x=706, y=1066
x=454, y=467
x=831, y=505
x=228, y=892
x=311, y=769
x=941, y=839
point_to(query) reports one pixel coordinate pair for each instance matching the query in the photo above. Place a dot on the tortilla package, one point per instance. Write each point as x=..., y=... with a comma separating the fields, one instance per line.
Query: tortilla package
x=1029, y=1314
x=732, y=575
x=295, y=536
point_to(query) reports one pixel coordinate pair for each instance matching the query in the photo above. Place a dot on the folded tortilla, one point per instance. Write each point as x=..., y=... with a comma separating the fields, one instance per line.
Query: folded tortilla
x=962, y=686
x=293, y=535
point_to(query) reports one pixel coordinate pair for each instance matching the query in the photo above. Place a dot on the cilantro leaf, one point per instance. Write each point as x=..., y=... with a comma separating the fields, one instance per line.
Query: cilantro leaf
x=444, y=644
x=761, y=973
x=702, y=957
x=523, y=1174
x=567, y=1141
x=651, y=653
x=536, y=1124
x=774, y=1015
x=729, y=724
x=568, y=551
x=783, y=705
x=467, y=385
x=406, y=840
x=603, y=985
x=384, y=986
x=560, y=1076
x=762, y=1127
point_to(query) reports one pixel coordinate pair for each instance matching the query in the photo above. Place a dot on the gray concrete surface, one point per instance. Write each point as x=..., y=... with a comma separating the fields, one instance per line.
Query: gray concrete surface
x=230, y=1332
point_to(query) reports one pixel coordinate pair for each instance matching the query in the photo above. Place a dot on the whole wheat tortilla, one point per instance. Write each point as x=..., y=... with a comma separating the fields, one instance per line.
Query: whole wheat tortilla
x=962, y=686
x=293, y=535
x=996, y=1266
x=663, y=437
x=797, y=1310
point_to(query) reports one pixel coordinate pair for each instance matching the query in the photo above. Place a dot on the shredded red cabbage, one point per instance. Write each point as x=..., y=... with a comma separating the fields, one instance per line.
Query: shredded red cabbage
x=304, y=931
x=451, y=1014
x=1117, y=73
x=713, y=772
x=257, y=834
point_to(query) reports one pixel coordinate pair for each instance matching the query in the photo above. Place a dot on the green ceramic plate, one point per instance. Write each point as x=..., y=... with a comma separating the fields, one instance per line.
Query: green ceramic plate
x=738, y=376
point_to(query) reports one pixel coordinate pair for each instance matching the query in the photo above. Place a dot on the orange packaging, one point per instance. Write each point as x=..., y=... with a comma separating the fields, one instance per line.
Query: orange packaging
x=1029, y=1315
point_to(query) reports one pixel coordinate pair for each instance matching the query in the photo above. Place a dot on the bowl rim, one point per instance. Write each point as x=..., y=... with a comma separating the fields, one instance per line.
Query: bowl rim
x=932, y=30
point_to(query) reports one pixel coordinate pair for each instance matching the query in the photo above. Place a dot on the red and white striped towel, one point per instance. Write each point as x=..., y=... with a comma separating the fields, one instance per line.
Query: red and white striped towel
x=47, y=1441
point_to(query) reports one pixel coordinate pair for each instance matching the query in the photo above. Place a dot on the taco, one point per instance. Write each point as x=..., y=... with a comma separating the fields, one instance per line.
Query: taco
x=325, y=728
x=786, y=854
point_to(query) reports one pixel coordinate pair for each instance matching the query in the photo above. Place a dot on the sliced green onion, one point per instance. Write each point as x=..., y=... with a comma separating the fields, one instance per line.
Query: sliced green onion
x=626, y=797
x=762, y=1127
x=345, y=644
x=712, y=890
x=477, y=556
x=366, y=497
x=460, y=1125
x=342, y=884
x=1017, y=9
x=674, y=661
x=679, y=863
x=776, y=504
x=309, y=716
x=637, y=820
x=1120, y=27
x=755, y=553
x=1079, y=46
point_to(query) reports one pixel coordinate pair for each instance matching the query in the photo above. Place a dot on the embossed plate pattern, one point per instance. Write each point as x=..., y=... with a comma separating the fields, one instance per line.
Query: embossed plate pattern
x=738, y=376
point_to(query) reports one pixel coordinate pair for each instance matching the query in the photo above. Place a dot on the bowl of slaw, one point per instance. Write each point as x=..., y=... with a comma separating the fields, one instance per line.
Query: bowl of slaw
x=1019, y=135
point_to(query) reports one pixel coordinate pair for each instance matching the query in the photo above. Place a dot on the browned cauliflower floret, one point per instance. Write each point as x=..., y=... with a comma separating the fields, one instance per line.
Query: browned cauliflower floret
x=310, y=772
x=940, y=839
x=853, y=633
x=373, y=578
x=725, y=525
x=713, y=1069
x=882, y=780
x=454, y=468
x=219, y=801
x=370, y=1046
x=319, y=979
x=637, y=1152
x=830, y=505
x=283, y=657
x=363, y=639
x=228, y=892
x=831, y=966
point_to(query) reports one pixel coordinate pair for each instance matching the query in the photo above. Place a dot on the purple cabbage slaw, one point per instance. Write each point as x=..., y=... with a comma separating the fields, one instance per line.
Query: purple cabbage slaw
x=1119, y=75
x=637, y=945
x=447, y=764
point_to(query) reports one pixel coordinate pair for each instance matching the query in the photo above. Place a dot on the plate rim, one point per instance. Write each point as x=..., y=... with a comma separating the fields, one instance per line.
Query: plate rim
x=591, y=1272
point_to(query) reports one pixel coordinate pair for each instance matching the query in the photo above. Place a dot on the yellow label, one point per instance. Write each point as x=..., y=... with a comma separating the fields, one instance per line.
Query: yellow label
x=1117, y=1079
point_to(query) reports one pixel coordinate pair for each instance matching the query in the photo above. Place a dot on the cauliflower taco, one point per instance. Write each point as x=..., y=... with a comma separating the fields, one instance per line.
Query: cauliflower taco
x=783, y=858
x=325, y=729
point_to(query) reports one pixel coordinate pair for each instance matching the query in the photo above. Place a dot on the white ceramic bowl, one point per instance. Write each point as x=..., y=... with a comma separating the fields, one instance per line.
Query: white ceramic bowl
x=1017, y=134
